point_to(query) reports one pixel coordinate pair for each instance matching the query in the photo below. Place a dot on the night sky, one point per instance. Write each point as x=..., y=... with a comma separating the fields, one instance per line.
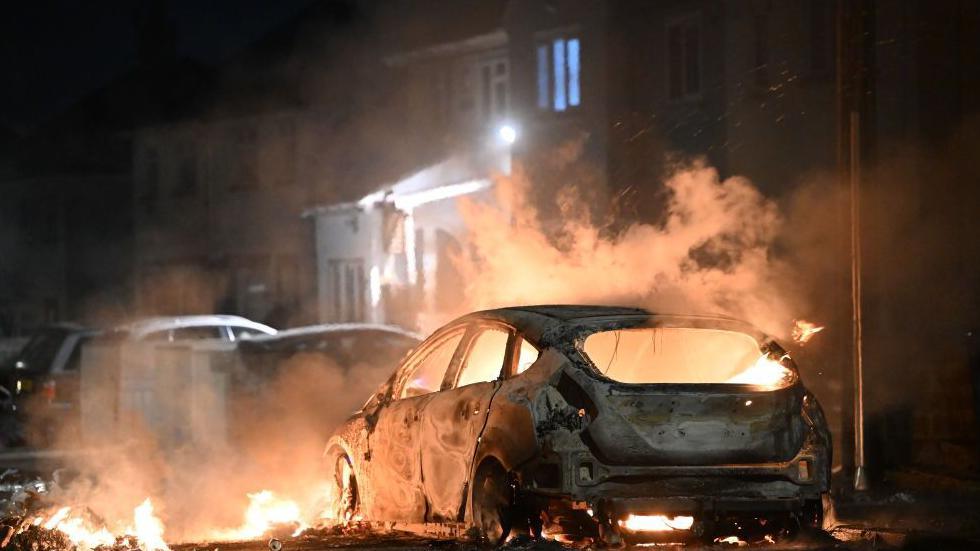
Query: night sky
x=54, y=52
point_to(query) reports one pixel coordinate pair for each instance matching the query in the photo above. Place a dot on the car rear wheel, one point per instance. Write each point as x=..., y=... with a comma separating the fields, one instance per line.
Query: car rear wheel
x=493, y=502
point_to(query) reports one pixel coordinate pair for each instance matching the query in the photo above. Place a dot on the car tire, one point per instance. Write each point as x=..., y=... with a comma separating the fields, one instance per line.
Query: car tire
x=345, y=488
x=493, y=502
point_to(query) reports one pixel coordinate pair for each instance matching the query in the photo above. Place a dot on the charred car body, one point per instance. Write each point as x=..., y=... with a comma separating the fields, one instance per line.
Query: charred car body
x=593, y=421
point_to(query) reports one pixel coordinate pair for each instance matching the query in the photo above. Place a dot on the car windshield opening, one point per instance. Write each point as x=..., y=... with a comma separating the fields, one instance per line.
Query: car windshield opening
x=40, y=351
x=684, y=355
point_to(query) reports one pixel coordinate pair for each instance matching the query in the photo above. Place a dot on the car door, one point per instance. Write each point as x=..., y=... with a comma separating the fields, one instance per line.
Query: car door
x=394, y=471
x=454, y=418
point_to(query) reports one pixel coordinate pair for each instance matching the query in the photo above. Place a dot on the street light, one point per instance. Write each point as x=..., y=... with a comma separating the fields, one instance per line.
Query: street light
x=507, y=134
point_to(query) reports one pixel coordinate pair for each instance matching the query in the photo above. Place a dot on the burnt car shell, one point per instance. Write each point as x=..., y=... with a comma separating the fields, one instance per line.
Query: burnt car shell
x=583, y=451
x=707, y=450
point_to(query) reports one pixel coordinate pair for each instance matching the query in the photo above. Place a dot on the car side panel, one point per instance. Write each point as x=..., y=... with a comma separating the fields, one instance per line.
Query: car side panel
x=452, y=423
x=394, y=468
x=510, y=435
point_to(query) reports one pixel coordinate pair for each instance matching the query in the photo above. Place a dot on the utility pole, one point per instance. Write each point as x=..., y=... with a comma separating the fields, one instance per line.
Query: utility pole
x=855, y=111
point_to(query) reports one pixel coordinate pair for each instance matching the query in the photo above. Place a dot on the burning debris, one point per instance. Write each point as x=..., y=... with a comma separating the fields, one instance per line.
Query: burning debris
x=67, y=529
x=804, y=330
x=36, y=519
x=267, y=514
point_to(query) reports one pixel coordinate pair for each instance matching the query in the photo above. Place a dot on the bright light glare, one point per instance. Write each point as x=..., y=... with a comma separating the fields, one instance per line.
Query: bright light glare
x=766, y=372
x=656, y=523
x=507, y=134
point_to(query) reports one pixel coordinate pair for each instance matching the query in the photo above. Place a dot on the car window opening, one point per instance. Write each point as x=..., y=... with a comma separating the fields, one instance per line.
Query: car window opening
x=428, y=374
x=612, y=357
x=674, y=355
x=485, y=359
x=528, y=355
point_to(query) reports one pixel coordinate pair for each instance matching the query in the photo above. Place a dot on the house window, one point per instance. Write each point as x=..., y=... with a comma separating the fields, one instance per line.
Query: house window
x=684, y=58
x=559, y=74
x=493, y=88
x=481, y=89
x=348, y=289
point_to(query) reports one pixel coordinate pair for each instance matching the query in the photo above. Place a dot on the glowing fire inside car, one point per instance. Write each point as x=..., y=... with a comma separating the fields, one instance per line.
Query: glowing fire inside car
x=766, y=372
x=656, y=523
x=653, y=354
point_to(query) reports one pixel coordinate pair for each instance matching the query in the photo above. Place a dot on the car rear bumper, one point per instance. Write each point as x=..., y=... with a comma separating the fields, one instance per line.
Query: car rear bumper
x=784, y=485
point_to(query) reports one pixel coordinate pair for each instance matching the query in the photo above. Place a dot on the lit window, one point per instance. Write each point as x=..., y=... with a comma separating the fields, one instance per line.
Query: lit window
x=543, y=77
x=559, y=57
x=559, y=69
x=573, y=69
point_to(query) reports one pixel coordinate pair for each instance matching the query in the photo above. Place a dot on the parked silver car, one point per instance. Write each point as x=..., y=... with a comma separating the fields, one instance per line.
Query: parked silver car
x=176, y=328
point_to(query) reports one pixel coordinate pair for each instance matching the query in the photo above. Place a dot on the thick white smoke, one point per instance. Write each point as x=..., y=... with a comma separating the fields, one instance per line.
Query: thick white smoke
x=711, y=253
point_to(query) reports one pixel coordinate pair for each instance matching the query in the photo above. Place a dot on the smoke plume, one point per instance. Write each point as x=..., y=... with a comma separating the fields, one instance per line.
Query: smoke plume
x=712, y=252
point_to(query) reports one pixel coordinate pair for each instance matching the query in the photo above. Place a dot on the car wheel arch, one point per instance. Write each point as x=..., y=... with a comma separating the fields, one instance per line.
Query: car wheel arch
x=489, y=464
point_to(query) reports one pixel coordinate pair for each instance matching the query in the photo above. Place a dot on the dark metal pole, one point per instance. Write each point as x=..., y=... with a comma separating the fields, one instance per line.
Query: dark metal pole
x=854, y=22
x=844, y=67
x=860, y=475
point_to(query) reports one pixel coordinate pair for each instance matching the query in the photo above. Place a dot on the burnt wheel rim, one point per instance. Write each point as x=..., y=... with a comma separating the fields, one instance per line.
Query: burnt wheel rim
x=492, y=503
x=346, y=489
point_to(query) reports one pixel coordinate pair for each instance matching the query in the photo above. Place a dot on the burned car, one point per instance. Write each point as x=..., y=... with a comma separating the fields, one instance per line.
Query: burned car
x=603, y=422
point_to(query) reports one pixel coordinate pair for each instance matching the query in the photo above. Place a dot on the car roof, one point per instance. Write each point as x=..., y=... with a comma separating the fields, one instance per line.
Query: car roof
x=286, y=338
x=567, y=312
x=143, y=327
x=326, y=328
x=64, y=326
x=537, y=320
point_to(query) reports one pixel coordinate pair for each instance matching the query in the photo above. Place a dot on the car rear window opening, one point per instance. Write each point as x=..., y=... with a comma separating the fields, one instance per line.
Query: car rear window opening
x=683, y=355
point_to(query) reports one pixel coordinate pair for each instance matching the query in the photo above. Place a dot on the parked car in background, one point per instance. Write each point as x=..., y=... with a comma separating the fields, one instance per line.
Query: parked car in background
x=344, y=344
x=44, y=377
x=177, y=328
x=48, y=363
x=288, y=390
x=42, y=381
x=604, y=422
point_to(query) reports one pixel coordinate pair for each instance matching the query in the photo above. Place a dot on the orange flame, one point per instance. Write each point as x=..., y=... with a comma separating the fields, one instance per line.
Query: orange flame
x=147, y=529
x=804, y=330
x=732, y=540
x=656, y=523
x=765, y=372
x=266, y=512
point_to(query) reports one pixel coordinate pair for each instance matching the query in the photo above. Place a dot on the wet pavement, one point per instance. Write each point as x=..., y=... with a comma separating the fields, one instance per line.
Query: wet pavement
x=924, y=511
x=841, y=538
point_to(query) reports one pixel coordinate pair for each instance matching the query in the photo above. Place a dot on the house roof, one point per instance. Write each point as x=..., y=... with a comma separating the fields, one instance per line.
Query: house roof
x=428, y=23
